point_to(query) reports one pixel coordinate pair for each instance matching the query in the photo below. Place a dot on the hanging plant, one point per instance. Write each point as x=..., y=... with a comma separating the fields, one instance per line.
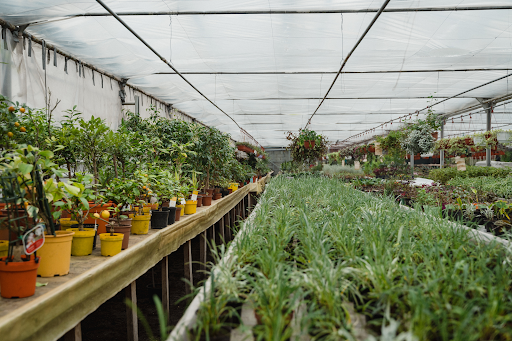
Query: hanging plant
x=307, y=152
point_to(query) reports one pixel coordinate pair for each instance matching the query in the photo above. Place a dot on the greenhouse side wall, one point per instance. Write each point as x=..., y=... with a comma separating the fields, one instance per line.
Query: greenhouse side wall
x=69, y=84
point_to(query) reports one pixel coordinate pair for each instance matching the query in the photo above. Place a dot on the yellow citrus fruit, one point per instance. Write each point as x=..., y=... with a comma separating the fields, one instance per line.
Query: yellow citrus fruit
x=11, y=108
x=17, y=124
x=143, y=187
x=23, y=129
x=96, y=215
x=105, y=214
x=26, y=204
x=10, y=134
x=22, y=110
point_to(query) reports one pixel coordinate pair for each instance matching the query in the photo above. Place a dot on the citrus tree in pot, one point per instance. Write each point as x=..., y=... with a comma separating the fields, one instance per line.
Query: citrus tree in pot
x=162, y=184
x=31, y=165
x=123, y=193
x=79, y=192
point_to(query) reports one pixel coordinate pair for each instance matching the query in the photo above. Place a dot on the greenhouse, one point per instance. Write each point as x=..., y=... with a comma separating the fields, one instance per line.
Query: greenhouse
x=255, y=170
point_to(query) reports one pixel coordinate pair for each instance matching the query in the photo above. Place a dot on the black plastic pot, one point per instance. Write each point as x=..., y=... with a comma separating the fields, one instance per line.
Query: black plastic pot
x=224, y=192
x=172, y=214
x=89, y=226
x=159, y=219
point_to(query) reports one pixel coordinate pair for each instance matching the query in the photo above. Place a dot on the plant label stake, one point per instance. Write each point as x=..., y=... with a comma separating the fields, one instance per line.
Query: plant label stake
x=33, y=239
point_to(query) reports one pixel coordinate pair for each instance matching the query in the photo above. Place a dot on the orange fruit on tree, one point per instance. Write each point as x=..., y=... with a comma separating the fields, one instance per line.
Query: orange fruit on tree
x=105, y=214
x=22, y=110
x=23, y=129
x=10, y=134
x=17, y=124
x=11, y=108
x=143, y=187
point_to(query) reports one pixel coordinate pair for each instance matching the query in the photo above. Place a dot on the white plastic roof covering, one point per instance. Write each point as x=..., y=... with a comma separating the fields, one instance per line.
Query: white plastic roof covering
x=268, y=105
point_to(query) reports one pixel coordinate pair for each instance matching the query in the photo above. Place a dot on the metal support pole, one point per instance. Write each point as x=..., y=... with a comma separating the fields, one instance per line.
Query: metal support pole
x=137, y=104
x=131, y=312
x=164, y=263
x=412, y=165
x=441, y=153
x=187, y=252
x=488, y=150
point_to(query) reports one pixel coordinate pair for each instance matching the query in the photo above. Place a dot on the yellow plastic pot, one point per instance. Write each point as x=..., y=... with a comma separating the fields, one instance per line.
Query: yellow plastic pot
x=55, y=254
x=146, y=209
x=140, y=223
x=82, y=242
x=182, y=213
x=4, y=248
x=111, y=245
x=233, y=186
x=190, y=206
x=65, y=223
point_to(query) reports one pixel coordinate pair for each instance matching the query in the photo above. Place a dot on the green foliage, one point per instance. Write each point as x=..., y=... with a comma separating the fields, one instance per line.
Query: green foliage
x=499, y=186
x=303, y=155
x=444, y=175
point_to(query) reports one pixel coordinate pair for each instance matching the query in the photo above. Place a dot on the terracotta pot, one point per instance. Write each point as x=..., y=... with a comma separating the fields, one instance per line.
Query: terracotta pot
x=435, y=135
x=199, y=200
x=417, y=157
x=210, y=191
x=230, y=190
x=18, y=279
x=207, y=200
x=217, y=196
x=122, y=222
x=177, y=214
x=309, y=144
x=98, y=209
x=123, y=229
x=165, y=204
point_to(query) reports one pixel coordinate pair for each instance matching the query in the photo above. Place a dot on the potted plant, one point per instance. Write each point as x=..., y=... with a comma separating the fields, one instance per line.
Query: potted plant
x=18, y=271
x=78, y=193
x=163, y=186
x=112, y=243
x=30, y=164
x=123, y=193
x=307, y=138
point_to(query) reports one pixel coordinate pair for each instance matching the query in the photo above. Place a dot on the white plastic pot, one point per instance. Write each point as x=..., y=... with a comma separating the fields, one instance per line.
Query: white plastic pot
x=478, y=140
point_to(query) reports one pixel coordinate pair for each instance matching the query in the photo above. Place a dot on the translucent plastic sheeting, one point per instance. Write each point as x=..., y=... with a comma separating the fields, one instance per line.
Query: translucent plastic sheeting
x=268, y=105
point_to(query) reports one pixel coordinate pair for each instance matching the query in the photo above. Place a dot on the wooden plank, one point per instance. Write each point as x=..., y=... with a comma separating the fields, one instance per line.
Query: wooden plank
x=165, y=285
x=74, y=334
x=65, y=301
x=189, y=275
x=203, y=250
x=131, y=313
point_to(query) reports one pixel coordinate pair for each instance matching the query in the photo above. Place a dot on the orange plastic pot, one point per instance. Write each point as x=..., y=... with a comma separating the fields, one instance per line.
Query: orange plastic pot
x=98, y=209
x=18, y=279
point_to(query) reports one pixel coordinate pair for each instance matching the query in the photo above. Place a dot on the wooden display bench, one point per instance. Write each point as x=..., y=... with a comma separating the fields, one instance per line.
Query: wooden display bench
x=60, y=306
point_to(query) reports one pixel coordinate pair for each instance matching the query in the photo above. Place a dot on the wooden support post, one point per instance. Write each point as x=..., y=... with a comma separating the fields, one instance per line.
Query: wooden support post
x=131, y=312
x=229, y=230
x=74, y=334
x=243, y=208
x=203, y=248
x=187, y=250
x=221, y=230
x=212, y=236
x=165, y=285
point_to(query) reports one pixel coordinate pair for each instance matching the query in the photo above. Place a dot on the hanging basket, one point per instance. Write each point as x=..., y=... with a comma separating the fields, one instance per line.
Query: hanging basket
x=435, y=135
x=246, y=149
x=469, y=141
